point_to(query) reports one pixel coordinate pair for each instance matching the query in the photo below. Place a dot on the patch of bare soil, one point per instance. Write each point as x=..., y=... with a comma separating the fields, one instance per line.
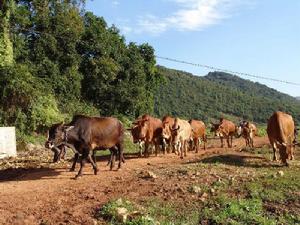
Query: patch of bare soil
x=37, y=192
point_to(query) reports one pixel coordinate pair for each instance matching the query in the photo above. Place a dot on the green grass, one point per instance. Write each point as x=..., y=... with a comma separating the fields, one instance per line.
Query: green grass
x=109, y=213
x=170, y=213
x=262, y=131
x=263, y=197
x=153, y=212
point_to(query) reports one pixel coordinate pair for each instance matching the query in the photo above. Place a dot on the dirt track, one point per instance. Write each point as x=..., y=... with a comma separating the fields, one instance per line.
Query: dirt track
x=52, y=196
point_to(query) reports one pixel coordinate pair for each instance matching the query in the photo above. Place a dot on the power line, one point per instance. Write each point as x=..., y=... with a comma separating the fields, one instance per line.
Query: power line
x=226, y=71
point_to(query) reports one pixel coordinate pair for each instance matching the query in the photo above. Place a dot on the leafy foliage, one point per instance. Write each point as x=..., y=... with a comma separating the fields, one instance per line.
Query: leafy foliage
x=60, y=60
x=219, y=94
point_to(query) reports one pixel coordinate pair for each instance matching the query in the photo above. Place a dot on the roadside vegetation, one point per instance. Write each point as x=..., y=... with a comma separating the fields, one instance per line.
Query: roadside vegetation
x=229, y=188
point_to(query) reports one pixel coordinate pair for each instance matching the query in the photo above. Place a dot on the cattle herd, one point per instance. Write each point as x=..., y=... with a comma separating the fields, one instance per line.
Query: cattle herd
x=85, y=135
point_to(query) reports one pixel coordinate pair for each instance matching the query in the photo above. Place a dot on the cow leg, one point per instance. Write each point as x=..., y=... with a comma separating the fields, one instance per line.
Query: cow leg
x=62, y=152
x=94, y=156
x=74, y=162
x=274, y=146
x=146, y=153
x=121, y=156
x=113, y=154
x=252, y=143
x=228, y=142
x=156, y=149
x=204, y=142
x=185, y=146
x=85, y=155
x=231, y=141
x=141, y=148
x=222, y=143
x=180, y=147
x=93, y=162
x=164, y=146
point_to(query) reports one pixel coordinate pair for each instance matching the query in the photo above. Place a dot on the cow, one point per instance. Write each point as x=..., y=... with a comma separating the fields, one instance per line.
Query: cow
x=85, y=134
x=167, y=123
x=225, y=129
x=181, y=136
x=281, y=131
x=198, y=134
x=248, y=131
x=149, y=130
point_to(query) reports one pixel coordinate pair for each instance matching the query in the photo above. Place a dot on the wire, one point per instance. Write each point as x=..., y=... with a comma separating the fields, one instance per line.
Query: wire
x=227, y=71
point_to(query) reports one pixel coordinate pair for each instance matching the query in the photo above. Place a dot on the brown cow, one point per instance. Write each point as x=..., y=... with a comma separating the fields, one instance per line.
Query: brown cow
x=281, y=131
x=225, y=129
x=167, y=124
x=181, y=136
x=248, y=131
x=198, y=133
x=150, y=130
x=85, y=134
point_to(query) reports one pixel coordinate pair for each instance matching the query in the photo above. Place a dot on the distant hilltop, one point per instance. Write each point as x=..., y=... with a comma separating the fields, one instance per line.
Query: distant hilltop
x=218, y=95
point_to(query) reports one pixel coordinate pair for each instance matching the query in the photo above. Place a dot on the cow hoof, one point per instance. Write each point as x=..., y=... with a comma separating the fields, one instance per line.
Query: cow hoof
x=77, y=177
x=96, y=171
x=72, y=170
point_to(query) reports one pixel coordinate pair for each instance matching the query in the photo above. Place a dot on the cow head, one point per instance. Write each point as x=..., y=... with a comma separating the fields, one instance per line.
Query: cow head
x=220, y=131
x=142, y=128
x=57, y=135
x=166, y=130
x=174, y=132
x=135, y=133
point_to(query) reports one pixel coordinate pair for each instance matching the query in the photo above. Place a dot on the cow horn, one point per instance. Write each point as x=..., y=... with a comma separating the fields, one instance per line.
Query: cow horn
x=69, y=128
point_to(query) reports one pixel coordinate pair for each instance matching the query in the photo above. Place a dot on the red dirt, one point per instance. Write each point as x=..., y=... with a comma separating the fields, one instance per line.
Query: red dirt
x=52, y=196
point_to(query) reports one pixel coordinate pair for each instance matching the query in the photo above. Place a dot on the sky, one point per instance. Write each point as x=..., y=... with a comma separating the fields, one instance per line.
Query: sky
x=259, y=37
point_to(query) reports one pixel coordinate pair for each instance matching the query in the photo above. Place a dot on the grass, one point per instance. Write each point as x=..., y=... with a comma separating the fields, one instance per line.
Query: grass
x=258, y=194
x=153, y=212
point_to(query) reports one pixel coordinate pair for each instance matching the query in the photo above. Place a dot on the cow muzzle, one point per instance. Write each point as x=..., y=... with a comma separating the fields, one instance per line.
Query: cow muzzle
x=49, y=144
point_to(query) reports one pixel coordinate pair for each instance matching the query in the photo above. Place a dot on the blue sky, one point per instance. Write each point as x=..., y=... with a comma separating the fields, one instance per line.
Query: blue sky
x=260, y=37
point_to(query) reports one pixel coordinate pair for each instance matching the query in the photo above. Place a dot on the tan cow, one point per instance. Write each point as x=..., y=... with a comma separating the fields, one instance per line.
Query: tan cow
x=248, y=131
x=181, y=135
x=167, y=124
x=198, y=134
x=281, y=131
x=225, y=129
x=149, y=130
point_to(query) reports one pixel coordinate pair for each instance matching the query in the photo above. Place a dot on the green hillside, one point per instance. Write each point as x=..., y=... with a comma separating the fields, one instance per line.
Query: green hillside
x=219, y=94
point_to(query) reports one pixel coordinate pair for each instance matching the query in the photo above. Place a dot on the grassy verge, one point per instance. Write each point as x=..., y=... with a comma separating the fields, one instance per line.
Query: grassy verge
x=238, y=188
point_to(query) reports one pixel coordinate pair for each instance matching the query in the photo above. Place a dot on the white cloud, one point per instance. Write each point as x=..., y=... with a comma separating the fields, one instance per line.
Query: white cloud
x=115, y=3
x=191, y=15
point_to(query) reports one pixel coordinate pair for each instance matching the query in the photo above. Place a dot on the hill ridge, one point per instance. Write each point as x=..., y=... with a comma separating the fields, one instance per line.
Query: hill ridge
x=219, y=94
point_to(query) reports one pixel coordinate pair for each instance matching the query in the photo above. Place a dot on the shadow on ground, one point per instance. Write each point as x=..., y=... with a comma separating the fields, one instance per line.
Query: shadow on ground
x=238, y=160
x=21, y=174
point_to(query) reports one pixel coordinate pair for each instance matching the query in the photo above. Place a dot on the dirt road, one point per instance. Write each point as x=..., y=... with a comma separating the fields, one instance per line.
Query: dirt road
x=52, y=196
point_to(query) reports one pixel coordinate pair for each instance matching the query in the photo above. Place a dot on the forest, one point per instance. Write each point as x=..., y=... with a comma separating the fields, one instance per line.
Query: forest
x=58, y=60
x=218, y=95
